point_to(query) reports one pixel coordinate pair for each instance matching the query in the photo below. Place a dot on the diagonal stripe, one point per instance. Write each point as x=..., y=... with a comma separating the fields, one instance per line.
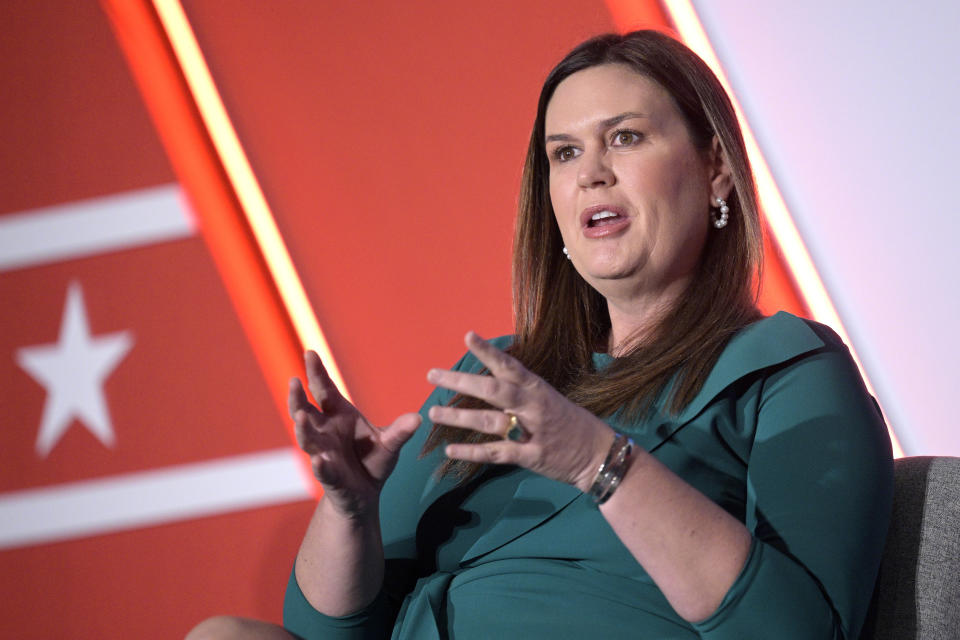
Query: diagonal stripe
x=104, y=505
x=244, y=181
x=245, y=270
x=90, y=227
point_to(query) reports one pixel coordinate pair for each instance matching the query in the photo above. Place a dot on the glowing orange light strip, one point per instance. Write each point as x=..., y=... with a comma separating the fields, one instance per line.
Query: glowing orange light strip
x=775, y=210
x=224, y=227
x=244, y=182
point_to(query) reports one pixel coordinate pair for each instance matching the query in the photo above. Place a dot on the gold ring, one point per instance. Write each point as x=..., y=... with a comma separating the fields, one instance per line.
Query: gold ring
x=515, y=431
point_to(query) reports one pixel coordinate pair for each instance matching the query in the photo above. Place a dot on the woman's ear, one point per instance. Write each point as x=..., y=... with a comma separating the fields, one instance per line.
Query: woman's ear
x=721, y=177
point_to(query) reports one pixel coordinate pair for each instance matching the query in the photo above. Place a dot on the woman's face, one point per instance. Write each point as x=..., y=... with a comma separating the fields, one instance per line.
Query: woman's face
x=630, y=192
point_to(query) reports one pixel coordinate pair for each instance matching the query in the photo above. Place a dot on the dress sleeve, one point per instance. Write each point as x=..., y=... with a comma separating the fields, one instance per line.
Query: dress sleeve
x=399, y=514
x=373, y=622
x=819, y=492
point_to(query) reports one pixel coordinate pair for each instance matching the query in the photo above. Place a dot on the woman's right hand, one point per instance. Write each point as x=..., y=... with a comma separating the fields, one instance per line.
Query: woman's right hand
x=351, y=458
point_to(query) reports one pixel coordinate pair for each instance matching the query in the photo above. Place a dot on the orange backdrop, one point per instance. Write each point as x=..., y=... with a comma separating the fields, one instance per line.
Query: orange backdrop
x=388, y=140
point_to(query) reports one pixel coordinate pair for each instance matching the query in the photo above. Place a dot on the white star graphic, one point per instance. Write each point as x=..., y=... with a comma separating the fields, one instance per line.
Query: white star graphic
x=73, y=371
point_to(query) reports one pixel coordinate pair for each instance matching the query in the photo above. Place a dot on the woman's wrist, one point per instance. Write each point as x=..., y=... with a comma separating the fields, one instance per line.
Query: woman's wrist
x=613, y=469
x=598, y=453
x=358, y=515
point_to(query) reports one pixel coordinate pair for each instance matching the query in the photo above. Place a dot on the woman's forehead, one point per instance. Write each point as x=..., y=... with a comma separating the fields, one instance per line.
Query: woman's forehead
x=589, y=98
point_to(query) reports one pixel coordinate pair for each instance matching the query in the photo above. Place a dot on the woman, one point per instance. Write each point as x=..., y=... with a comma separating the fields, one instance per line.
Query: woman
x=647, y=456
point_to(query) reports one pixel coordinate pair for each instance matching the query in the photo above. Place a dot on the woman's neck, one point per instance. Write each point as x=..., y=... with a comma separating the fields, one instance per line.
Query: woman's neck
x=634, y=318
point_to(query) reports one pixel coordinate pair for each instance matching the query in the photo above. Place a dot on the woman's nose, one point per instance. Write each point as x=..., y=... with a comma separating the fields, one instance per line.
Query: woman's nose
x=595, y=170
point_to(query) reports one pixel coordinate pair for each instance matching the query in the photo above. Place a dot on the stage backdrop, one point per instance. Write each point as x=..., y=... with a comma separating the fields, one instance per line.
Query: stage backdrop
x=146, y=471
x=147, y=475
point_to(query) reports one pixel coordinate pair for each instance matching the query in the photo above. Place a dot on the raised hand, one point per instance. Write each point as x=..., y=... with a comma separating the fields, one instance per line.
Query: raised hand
x=351, y=458
x=562, y=441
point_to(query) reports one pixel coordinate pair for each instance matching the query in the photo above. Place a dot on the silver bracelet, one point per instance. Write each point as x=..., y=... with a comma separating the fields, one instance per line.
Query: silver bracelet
x=612, y=470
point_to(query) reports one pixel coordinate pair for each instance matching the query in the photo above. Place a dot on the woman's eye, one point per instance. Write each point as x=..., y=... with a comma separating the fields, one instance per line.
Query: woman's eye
x=565, y=153
x=625, y=138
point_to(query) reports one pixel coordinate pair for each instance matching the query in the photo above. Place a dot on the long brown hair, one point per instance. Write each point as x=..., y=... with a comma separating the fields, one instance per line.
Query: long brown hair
x=560, y=319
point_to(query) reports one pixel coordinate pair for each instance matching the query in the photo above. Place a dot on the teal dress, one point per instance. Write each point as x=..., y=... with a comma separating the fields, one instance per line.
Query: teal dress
x=783, y=436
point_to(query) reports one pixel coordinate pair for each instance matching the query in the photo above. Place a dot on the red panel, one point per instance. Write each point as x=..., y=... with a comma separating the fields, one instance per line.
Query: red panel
x=73, y=126
x=230, y=241
x=388, y=139
x=629, y=15
x=152, y=583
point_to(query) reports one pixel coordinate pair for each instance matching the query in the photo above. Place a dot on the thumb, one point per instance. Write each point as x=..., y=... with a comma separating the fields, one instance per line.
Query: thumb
x=396, y=434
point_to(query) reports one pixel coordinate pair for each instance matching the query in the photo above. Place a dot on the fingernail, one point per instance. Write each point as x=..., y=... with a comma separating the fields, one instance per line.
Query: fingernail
x=432, y=375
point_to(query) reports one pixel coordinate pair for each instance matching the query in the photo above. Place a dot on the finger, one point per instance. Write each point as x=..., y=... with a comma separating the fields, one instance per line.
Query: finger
x=296, y=397
x=309, y=438
x=324, y=392
x=302, y=429
x=396, y=434
x=480, y=420
x=500, y=364
x=499, y=393
x=297, y=400
x=322, y=448
x=497, y=452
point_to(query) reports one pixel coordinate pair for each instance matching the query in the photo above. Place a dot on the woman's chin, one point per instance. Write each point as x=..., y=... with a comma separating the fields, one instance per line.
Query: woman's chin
x=613, y=282
x=611, y=270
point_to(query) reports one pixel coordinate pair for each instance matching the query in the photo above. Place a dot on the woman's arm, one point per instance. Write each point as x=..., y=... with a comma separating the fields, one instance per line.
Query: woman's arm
x=818, y=497
x=701, y=557
x=340, y=564
x=690, y=546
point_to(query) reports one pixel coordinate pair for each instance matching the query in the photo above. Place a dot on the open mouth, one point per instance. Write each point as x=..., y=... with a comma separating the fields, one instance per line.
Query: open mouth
x=603, y=218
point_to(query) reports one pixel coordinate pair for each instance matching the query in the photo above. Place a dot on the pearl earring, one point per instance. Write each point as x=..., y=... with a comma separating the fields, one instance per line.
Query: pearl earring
x=566, y=253
x=721, y=215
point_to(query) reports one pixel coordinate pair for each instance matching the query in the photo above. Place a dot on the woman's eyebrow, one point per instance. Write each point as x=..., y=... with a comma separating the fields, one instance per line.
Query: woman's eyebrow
x=603, y=124
x=565, y=137
x=617, y=119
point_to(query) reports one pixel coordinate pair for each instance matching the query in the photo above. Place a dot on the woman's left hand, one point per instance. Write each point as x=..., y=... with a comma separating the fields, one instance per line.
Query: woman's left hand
x=564, y=441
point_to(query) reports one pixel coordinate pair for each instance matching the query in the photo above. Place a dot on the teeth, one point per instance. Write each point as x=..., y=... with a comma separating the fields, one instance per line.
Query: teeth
x=600, y=215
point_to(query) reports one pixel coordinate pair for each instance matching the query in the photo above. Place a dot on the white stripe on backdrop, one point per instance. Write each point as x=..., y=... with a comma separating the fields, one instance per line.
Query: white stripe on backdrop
x=133, y=500
x=90, y=227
